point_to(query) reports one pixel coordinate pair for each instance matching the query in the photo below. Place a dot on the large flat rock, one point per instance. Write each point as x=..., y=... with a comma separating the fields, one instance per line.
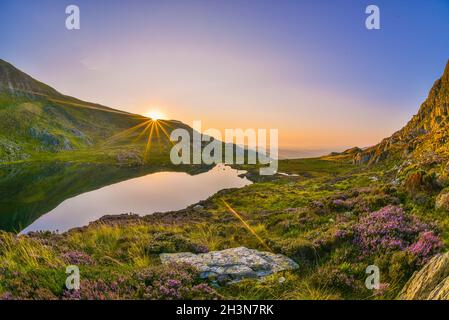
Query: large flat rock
x=232, y=264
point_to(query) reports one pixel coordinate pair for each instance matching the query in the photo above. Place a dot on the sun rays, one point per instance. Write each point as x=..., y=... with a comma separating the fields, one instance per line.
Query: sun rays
x=246, y=225
x=149, y=129
x=153, y=125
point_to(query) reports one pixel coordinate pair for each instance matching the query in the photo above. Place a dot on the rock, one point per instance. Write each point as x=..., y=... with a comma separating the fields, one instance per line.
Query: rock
x=79, y=134
x=431, y=282
x=348, y=214
x=421, y=182
x=198, y=207
x=50, y=141
x=130, y=158
x=442, y=201
x=10, y=151
x=424, y=133
x=361, y=158
x=232, y=264
x=354, y=150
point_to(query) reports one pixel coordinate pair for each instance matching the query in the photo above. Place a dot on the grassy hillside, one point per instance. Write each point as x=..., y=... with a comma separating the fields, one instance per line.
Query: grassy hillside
x=39, y=123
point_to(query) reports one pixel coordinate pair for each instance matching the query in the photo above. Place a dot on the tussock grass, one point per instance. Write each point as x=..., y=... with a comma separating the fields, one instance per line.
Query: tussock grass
x=282, y=286
x=23, y=253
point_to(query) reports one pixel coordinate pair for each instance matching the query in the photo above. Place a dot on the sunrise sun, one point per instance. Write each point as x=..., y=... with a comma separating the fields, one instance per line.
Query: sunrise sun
x=155, y=115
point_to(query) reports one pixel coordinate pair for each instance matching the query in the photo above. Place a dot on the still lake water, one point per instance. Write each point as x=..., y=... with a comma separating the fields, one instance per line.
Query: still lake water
x=156, y=192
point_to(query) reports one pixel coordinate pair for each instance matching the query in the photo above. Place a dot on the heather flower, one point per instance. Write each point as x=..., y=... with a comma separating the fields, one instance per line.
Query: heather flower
x=337, y=278
x=427, y=245
x=100, y=290
x=391, y=229
x=77, y=258
x=204, y=289
x=340, y=205
x=318, y=207
x=341, y=234
x=174, y=282
x=6, y=296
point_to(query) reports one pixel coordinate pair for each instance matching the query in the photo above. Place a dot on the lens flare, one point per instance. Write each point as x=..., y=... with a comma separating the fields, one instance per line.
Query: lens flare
x=155, y=115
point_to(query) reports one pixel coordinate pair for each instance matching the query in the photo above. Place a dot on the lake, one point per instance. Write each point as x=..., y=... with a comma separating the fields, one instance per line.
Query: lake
x=59, y=197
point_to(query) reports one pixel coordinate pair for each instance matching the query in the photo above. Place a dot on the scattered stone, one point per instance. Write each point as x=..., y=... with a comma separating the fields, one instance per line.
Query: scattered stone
x=232, y=265
x=431, y=282
x=50, y=141
x=10, y=151
x=198, y=207
x=129, y=158
x=348, y=214
x=442, y=201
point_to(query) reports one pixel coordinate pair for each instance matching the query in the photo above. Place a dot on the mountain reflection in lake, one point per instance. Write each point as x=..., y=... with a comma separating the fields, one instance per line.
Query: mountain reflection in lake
x=59, y=196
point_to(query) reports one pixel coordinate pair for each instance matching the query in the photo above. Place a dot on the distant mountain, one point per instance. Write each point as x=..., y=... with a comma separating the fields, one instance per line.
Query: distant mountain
x=37, y=121
x=424, y=138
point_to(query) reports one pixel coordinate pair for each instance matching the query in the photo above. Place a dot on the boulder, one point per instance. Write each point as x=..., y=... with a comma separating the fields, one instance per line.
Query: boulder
x=442, y=201
x=232, y=264
x=198, y=207
x=431, y=282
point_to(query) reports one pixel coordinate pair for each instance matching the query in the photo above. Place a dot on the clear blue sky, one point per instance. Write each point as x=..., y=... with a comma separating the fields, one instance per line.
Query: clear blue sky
x=309, y=68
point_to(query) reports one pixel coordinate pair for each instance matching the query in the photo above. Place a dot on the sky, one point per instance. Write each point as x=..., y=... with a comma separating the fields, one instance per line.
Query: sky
x=310, y=69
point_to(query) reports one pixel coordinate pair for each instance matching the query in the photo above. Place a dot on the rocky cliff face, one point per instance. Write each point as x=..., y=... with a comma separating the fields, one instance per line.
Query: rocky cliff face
x=431, y=282
x=426, y=132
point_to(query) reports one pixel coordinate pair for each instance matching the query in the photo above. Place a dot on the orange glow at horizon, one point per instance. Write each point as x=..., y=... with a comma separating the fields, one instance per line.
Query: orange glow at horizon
x=155, y=114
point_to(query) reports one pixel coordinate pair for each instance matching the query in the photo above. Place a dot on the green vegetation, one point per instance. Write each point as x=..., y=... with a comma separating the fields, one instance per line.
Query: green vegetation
x=311, y=217
x=333, y=215
x=37, y=123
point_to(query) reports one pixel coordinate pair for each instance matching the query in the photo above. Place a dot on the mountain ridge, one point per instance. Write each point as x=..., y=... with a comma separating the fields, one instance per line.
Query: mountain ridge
x=14, y=81
x=39, y=122
x=427, y=131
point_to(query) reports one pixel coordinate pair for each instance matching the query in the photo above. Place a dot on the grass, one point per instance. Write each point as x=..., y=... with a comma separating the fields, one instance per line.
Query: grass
x=25, y=254
x=294, y=215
